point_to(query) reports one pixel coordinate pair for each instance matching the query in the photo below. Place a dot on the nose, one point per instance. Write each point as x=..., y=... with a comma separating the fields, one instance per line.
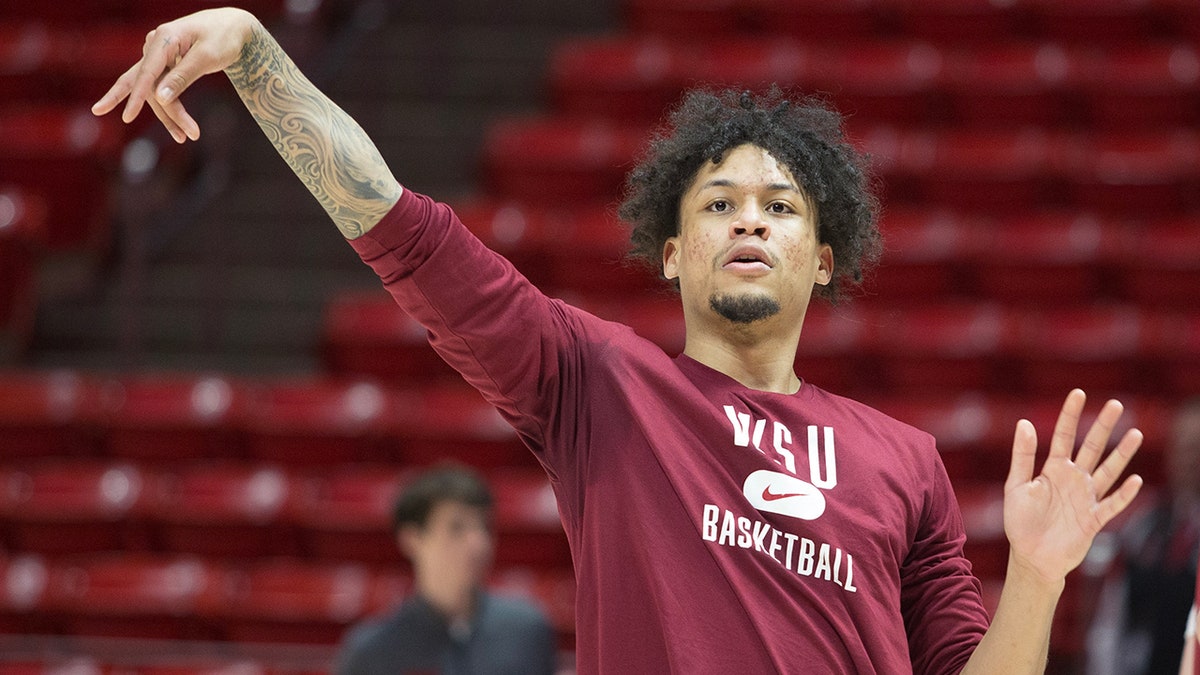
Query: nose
x=750, y=222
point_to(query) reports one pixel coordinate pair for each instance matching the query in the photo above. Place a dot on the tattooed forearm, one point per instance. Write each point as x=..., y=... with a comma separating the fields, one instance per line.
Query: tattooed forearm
x=326, y=148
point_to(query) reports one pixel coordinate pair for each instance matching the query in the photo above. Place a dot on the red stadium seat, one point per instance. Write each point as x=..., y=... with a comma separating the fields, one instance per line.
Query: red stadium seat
x=455, y=422
x=628, y=78
x=1176, y=338
x=1047, y=257
x=964, y=21
x=60, y=506
x=65, y=155
x=174, y=417
x=209, y=666
x=1146, y=86
x=670, y=17
x=368, y=335
x=560, y=248
x=831, y=343
x=938, y=347
x=982, y=505
x=317, y=421
x=1147, y=173
x=982, y=170
x=973, y=431
x=528, y=529
x=881, y=82
x=1088, y=347
x=23, y=581
x=587, y=253
x=1096, y=21
x=347, y=514
x=1013, y=85
x=923, y=252
x=70, y=13
x=286, y=600
x=225, y=510
x=48, y=414
x=557, y=160
x=67, y=665
x=1162, y=267
x=22, y=229
x=815, y=20
x=124, y=595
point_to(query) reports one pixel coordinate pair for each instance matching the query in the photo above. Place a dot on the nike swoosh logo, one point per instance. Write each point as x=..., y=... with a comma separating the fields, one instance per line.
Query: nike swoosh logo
x=777, y=492
x=771, y=496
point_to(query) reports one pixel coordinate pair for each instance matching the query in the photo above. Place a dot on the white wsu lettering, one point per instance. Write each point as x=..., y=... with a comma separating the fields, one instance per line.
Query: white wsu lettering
x=822, y=457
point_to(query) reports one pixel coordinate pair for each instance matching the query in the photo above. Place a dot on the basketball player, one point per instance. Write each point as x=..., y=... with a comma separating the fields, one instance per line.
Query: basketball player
x=723, y=514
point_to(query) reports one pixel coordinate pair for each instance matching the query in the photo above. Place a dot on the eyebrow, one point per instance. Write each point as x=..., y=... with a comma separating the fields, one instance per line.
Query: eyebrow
x=773, y=187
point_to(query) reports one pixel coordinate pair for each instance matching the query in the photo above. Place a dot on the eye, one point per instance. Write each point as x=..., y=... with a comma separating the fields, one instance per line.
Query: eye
x=719, y=206
x=779, y=207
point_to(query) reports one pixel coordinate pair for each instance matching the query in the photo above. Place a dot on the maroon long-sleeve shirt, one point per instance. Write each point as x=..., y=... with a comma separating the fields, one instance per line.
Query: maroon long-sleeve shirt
x=714, y=528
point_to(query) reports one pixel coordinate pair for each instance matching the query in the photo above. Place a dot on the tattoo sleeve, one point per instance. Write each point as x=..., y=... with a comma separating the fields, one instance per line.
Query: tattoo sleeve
x=325, y=147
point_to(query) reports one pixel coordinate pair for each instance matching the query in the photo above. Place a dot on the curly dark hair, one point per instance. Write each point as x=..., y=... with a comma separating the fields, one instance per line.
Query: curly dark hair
x=804, y=134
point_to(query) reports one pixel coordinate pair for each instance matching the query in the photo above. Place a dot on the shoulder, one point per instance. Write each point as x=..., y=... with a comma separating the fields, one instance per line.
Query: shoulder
x=515, y=610
x=366, y=635
x=871, y=419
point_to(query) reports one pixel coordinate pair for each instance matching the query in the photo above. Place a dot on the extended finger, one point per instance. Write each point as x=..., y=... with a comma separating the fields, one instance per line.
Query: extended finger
x=115, y=93
x=173, y=128
x=1117, y=502
x=1097, y=436
x=1063, y=442
x=1020, y=470
x=1114, y=465
x=162, y=48
x=180, y=116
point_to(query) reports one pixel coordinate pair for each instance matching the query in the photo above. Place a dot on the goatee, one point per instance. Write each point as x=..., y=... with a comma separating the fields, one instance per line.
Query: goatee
x=744, y=309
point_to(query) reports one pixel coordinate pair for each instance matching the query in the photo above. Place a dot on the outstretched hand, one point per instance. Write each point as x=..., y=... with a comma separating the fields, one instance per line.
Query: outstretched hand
x=174, y=56
x=1051, y=519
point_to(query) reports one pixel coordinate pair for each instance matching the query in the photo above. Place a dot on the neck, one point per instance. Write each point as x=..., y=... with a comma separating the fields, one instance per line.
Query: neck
x=760, y=363
x=455, y=604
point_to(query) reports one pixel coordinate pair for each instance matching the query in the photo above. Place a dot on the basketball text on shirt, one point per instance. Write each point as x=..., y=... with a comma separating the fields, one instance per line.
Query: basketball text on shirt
x=784, y=494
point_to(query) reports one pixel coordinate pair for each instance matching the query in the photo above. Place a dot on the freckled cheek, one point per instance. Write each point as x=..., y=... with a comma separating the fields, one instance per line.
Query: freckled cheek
x=700, y=249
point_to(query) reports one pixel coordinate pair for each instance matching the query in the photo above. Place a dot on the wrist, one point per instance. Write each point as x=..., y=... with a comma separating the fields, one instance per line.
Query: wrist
x=1026, y=575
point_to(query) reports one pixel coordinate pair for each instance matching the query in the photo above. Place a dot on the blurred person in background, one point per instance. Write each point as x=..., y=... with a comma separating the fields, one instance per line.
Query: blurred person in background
x=451, y=625
x=1143, y=606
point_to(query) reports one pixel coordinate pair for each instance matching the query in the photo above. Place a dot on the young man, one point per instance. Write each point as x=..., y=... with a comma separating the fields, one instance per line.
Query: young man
x=450, y=624
x=723, y=515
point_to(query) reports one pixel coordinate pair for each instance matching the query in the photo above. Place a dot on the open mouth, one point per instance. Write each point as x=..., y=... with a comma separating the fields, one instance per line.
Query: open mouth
x=747, y=258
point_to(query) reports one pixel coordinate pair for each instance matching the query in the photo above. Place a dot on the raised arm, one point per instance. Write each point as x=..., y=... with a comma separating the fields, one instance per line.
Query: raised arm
x=325, y=147
x=1051, y=520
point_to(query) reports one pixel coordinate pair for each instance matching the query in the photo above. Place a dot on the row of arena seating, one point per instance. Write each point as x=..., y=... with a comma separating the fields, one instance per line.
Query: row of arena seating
x=193, y=598
x=162, y=665
x=556, y=159
x=245, y=510
x=637, y=77
x=875, y=348
x=1010, y=256
x=169, y=423
x=942, y=20
x=297, y=421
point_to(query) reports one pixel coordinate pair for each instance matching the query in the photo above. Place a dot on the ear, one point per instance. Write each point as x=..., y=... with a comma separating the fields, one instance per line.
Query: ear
x=824, y=264
x=670, y=262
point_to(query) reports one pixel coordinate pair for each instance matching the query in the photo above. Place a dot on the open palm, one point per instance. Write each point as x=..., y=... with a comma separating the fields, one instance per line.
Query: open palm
x=1051, y=519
